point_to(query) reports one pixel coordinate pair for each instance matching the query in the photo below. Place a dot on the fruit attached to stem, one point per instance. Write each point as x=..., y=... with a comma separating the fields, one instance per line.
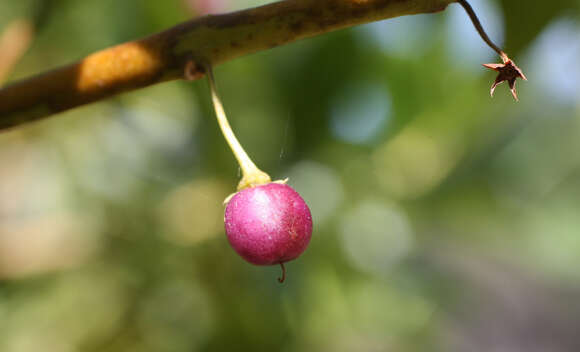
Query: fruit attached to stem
x=266, y=222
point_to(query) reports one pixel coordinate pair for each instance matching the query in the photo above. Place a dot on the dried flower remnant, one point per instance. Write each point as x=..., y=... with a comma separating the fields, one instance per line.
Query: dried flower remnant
x=508, y=71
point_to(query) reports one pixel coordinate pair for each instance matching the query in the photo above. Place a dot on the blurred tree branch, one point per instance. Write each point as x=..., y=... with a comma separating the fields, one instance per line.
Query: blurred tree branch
x=207, y=40
x=18, y=35
x=14, y=42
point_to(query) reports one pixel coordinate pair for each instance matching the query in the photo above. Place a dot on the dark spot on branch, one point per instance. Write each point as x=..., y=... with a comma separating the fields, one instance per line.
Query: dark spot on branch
x=295, y=27
x=193, y=71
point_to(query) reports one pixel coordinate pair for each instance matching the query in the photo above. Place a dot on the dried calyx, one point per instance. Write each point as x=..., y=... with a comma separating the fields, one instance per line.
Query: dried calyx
x=508, y=71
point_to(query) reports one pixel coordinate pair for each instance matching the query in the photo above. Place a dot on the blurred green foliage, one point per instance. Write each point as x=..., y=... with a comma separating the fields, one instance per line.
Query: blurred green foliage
x=444, y=220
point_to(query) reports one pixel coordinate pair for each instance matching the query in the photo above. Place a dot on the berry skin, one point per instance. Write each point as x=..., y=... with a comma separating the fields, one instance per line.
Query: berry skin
x=268, y=224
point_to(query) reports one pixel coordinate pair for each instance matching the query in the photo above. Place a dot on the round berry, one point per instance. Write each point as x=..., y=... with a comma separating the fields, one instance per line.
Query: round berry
x=268, y=224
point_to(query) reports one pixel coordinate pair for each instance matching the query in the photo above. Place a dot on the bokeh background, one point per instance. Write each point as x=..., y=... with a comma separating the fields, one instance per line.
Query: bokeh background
x=445, y=220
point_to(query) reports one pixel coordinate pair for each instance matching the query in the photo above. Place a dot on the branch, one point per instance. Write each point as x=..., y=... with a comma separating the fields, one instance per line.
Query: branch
x=206, y=40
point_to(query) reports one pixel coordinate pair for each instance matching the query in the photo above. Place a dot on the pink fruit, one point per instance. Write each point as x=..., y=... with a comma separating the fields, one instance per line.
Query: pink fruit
x=268, y=224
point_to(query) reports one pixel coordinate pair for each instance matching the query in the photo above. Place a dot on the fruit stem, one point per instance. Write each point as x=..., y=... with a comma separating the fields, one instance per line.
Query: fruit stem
x=481, y=31
x=283, y=277
x=251, y=175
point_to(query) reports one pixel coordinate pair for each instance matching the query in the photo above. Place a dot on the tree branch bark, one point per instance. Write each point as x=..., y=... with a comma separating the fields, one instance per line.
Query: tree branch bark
x=206, y=40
